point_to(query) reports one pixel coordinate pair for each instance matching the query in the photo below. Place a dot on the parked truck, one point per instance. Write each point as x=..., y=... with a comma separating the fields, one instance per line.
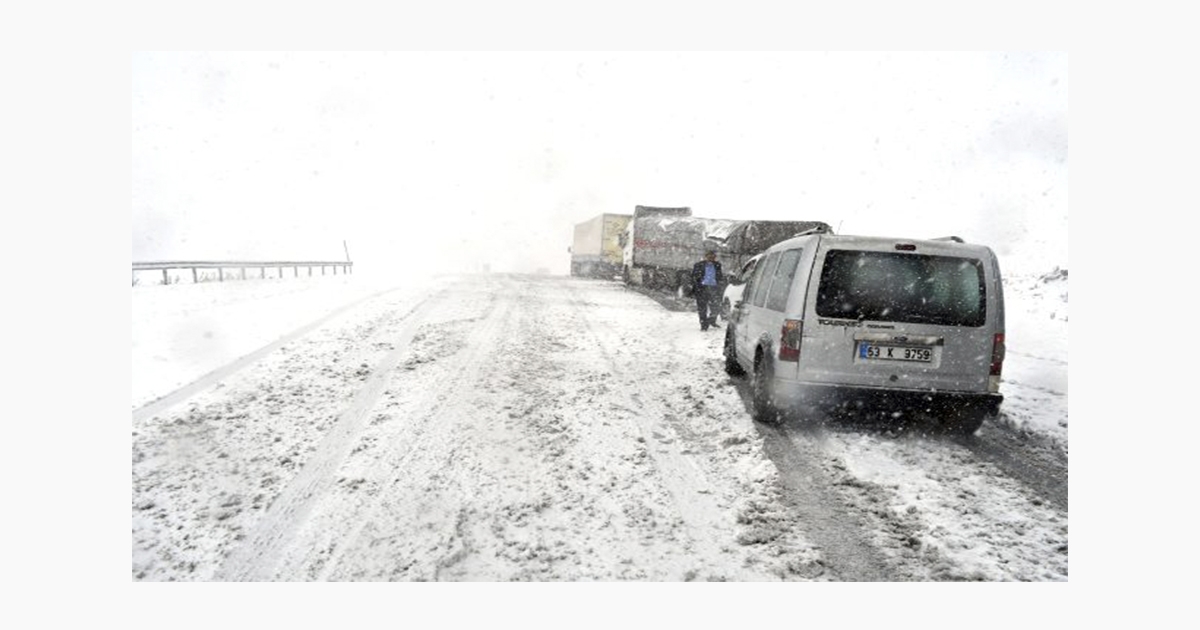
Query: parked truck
x=661, y=244
x=596, y=249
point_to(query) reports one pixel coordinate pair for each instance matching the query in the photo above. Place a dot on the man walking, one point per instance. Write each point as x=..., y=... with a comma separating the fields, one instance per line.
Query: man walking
x=706, y=278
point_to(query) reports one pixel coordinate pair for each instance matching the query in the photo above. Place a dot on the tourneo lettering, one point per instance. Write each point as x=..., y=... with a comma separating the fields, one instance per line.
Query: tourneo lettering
x=839, y=322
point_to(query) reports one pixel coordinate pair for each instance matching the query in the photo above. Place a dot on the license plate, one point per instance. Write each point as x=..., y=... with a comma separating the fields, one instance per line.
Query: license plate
x=876, y=352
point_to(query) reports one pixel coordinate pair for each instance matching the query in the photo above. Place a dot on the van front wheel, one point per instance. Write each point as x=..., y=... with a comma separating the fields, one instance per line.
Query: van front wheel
x=764, y=405
x=732, y=367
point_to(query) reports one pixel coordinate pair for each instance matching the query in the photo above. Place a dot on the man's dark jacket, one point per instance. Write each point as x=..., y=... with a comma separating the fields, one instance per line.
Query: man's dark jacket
x=698, y=274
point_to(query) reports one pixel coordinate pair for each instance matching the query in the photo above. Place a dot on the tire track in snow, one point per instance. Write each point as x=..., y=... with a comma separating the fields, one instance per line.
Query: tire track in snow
x=534, y=483
x=257, y=556
x=855, y=520
x=1026, y=458
x=208, y=473
x=943, y=513
x=393, y=466
x=704, y=441
x=525, y=511
x=167, y=401
x=848, y=552
x=686, y=484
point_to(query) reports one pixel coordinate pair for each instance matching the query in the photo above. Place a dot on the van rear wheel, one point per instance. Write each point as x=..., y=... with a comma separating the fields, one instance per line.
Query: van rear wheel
x=764, y=404
x=964, y=422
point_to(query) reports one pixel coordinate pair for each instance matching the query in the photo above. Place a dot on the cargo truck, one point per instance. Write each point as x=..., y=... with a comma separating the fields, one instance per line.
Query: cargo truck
x=661, y=244
x=596, y=249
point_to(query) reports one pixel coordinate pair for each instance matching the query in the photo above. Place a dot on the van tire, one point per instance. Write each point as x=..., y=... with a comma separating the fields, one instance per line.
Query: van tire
x=764, y=405
x=732, y=367
x=964, y=423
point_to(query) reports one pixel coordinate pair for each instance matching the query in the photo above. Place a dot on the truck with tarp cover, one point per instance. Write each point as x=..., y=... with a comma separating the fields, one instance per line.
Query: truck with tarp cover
x=596, y=248
x=662, y=243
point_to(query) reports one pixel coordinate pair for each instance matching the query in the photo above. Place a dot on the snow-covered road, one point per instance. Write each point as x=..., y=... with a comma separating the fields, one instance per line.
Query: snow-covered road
x=550, y=428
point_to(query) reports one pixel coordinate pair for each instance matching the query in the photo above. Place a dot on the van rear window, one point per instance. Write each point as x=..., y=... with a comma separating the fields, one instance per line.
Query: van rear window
x=895, y=287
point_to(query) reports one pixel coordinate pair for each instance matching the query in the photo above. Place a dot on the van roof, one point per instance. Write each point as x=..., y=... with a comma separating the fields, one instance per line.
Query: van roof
x=930, y=245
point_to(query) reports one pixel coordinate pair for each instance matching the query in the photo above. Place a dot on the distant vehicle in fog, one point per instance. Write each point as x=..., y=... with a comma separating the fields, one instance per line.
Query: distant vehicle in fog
x=596, y=247
x=661, y=244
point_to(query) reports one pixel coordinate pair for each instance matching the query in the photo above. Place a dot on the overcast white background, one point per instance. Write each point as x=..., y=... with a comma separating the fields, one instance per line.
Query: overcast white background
x=461, y=159
x=66, y=134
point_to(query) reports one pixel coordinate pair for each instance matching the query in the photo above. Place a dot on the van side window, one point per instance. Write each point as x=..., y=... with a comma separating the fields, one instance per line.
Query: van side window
x=768, y=271
x=753, y=281
x=782, y=286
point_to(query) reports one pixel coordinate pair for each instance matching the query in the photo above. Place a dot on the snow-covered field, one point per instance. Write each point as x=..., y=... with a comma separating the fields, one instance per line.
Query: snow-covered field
x=548, y=428
x=183, y=331
x=1035, y=369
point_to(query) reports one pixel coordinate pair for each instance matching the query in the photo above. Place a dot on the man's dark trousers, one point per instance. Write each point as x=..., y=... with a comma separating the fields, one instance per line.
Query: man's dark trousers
x=707, y=305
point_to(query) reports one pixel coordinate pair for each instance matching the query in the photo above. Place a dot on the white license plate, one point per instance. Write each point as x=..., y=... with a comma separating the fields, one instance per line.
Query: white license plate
x=877, y=352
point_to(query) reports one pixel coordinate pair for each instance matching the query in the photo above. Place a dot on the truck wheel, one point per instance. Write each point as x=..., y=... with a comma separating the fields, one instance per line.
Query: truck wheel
x=732, y=367
x=764, y=405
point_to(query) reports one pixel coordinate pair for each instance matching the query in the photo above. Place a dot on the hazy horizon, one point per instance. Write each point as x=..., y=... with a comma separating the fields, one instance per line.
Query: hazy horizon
x=452, y=160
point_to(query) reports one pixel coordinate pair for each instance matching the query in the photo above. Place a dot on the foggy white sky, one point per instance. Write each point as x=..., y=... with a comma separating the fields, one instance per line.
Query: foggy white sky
x=458, y=158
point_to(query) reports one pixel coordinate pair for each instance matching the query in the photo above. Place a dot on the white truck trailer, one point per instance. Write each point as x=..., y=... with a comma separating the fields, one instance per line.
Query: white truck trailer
x=596, y=249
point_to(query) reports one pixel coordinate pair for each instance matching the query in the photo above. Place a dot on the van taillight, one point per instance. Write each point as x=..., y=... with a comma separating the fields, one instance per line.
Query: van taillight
x=997, y=354
x=789, y=340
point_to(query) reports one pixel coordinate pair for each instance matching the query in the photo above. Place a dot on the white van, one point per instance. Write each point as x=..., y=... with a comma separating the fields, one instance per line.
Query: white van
x=884, y=326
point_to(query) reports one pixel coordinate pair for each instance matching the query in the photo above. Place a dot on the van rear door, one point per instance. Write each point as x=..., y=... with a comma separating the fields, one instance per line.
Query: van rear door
x=901, y=315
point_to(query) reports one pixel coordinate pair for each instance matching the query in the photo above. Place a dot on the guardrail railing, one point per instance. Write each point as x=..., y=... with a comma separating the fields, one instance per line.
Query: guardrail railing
x=222, y=265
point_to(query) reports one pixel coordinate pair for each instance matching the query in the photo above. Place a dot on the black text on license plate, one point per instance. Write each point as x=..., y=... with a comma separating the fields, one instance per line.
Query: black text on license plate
x=894, y=353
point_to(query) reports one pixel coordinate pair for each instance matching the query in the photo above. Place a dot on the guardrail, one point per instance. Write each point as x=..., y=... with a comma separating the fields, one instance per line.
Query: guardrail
x=222, y=265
